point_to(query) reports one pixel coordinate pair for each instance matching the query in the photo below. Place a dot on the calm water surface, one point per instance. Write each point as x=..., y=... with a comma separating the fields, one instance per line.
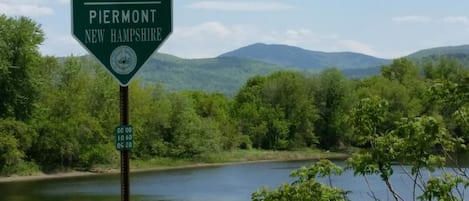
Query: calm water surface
x=224, y=183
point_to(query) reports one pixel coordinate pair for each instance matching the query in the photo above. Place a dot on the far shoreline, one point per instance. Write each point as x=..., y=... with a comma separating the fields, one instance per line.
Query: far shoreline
x=194, y=165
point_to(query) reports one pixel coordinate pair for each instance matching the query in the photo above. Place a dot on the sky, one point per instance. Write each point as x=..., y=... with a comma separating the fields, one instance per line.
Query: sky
x=208, y=28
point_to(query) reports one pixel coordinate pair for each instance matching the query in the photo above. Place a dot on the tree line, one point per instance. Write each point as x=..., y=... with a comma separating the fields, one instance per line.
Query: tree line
x=60, y=113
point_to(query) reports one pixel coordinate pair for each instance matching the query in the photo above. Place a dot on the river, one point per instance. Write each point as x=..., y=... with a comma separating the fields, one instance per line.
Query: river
x=222, y=183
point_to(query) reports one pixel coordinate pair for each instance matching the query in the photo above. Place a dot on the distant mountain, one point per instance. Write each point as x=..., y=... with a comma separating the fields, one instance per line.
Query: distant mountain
x=305, y=59
x=223, y=75
x=228, y=72
x=441, y=51
x=459, y=53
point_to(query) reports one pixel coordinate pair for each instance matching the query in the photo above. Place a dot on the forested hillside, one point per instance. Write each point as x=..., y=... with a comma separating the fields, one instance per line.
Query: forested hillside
x=223, y=75
x=61, y=114
x=227, y=73
x=441, y=51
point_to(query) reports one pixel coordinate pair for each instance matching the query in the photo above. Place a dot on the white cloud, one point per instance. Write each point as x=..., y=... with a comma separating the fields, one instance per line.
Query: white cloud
x=211, y=39
x=63, y=2
x=426, y=19
x=455, y=20
x=214, y=29
x=240, y=5
x=62, y=45
x=412, y=19
x=31, y=8
x=207, y=39
x=24, y=2
x=17, y=9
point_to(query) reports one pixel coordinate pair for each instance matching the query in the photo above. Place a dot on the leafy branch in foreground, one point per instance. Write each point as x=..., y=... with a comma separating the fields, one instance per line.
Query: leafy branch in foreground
x=446, y=187
x=421, y=142
x=305, y=187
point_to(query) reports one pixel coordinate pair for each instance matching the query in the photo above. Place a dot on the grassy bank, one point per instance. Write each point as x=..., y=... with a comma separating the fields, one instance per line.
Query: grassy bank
x=235, y=156
x=213, y=159
x=262, y=155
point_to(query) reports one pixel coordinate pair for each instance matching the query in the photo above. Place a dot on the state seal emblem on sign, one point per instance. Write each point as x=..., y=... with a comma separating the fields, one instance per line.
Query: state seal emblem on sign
x=123, y=60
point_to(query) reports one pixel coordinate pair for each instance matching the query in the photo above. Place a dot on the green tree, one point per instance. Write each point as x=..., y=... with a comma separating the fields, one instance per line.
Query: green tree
x=333, y=105
x=192, y=135
x=151, y=118
x=442, y=188
x=277, y=111
x=444, y=69
x=462, y=117
x=19, y=41
x=17, y=138
x=401, y=100
x=450, y=99
x=216, y=108
x=74, y=118
x=368, y=118
x=169, y=126
x=421, y=142
x=403, y=70
x=246, y=109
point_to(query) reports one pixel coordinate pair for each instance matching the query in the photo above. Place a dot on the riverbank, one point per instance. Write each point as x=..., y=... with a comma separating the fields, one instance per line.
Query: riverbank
x=211, y=160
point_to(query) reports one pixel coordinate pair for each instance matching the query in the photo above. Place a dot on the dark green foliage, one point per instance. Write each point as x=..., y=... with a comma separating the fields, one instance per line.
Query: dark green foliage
x=17, y=138
x=169, y=125
x=401, y=70
x=461, y=116
x=331, y=91
x=191, y=135
x=74, y=117
x=277, y=112
x=450, y=99
x=445, y=69
x=19, y=41
x=216, y=109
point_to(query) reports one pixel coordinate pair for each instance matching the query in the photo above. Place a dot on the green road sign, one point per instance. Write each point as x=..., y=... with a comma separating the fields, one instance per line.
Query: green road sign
x=122, y=34
x=124, y=137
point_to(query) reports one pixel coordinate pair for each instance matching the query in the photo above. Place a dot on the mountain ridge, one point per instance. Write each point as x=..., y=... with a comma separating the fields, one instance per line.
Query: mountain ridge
x=440, y=51
x=305, y=59
x=226, y=74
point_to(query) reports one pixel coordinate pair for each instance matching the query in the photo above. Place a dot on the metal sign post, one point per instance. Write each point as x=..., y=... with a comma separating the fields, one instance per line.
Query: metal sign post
x=124, y=110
